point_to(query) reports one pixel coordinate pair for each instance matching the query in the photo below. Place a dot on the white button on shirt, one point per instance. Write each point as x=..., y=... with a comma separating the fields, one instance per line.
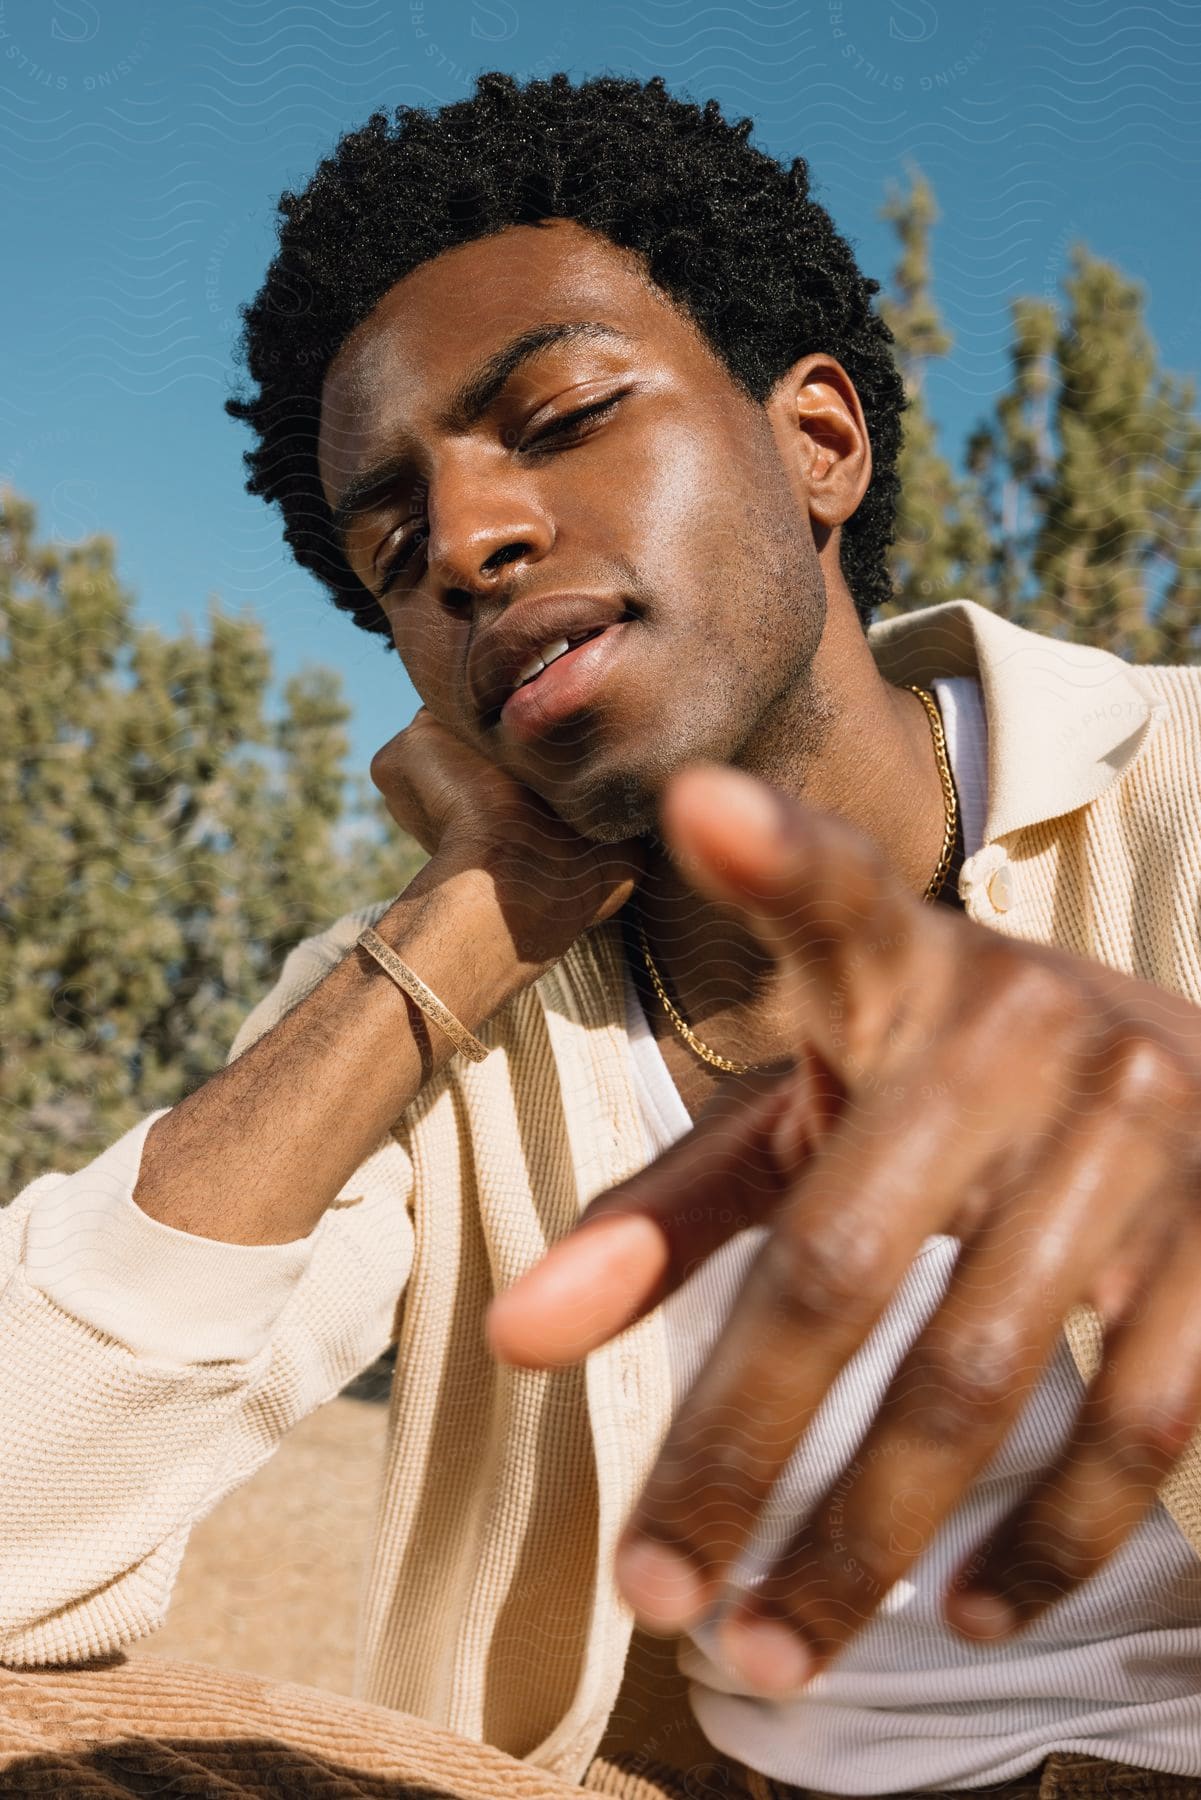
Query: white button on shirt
x=1000, y=889
x=1113, y=1670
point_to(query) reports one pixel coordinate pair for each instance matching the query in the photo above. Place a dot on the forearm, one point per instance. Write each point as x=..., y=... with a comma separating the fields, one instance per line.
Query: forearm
x=256, y=1154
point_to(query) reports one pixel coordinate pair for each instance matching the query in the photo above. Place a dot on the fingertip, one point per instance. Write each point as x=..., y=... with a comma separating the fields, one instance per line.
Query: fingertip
x=690, y=781
x=666, y=1592
x=582, y=1292
x=727, y=831
x=981, y=1615
x=767, y=1654
x=503, y=1336
x=529, y=1333
x=706, y=792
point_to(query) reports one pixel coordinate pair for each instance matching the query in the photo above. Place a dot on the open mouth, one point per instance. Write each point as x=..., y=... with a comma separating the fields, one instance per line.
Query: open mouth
x=565, y=646
x=564, y=685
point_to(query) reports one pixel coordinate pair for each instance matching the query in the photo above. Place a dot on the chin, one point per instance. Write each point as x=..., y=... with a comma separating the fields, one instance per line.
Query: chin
x=612, y=810
x=614, y=791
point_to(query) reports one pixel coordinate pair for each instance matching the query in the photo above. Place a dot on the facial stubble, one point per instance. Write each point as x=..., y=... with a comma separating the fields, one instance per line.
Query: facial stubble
x=764, y=710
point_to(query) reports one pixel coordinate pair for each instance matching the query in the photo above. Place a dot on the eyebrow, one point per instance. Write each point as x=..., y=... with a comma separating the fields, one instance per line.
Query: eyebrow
x=468, y=404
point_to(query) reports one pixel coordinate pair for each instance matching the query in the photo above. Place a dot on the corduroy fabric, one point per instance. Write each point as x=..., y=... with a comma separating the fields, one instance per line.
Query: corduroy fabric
x=487, y=1604
x=153, y=1727
x=118, y=1729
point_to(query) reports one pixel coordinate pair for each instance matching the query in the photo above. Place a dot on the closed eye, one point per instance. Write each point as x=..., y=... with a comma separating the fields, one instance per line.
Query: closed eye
x=570, y=422
x=563, y=430
x=394, y=569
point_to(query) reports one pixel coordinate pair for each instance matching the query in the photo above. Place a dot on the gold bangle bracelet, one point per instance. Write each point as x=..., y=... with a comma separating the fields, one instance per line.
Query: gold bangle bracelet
x=425, y=997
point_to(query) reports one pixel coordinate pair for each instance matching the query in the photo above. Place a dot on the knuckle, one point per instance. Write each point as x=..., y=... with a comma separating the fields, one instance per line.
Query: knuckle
x=1142, y=1075
x=957, y=1384
x=394, y=774
x=386, y=763
x=1136, y=1440
x=1132, y=1062
x=1051, y=1001
x=1016, y=1002
x=832, y=1270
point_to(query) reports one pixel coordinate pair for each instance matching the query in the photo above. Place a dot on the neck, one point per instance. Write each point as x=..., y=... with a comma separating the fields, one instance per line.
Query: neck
x=850, y=744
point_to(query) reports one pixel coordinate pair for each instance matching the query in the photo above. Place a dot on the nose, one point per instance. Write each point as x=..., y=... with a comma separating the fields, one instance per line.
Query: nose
x=479, y=523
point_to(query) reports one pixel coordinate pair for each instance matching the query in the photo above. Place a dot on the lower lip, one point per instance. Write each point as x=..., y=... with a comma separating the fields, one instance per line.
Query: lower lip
x=565, y=687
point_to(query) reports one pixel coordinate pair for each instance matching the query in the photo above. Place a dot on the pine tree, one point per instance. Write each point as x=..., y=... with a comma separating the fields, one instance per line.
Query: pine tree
x=940, y=549
x=1091, y=473
x=1011, y=457
x=1122, y=505
x=165, y=844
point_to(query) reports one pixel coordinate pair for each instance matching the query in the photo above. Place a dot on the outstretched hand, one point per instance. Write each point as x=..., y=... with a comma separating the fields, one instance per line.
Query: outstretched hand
x=1042, y=1109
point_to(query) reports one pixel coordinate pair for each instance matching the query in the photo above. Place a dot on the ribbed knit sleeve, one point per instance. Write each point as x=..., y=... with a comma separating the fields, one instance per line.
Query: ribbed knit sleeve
x=161, y=1292
x=148, y=1372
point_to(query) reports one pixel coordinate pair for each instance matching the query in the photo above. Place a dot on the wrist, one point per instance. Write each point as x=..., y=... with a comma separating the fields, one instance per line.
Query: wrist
x=450, y=926
x=529, y=906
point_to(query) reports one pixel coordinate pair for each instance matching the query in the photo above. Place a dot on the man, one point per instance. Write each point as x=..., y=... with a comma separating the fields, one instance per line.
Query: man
x=578, y=402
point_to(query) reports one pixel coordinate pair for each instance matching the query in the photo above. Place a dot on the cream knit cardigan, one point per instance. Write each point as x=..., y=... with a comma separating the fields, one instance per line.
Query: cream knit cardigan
x=148, y=1372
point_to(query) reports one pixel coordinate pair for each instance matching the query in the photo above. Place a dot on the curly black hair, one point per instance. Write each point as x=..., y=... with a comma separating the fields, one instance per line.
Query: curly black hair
x=726, y=231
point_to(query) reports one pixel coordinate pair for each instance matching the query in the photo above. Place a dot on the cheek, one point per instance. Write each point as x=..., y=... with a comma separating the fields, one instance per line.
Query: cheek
x=703, y=519
x=674, y=485
x=427, y=645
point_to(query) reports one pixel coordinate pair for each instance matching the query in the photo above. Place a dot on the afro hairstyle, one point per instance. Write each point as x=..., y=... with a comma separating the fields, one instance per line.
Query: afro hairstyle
x=726, y=231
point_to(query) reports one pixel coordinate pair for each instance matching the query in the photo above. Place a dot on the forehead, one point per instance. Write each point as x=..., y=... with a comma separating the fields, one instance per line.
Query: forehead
x=400, y=363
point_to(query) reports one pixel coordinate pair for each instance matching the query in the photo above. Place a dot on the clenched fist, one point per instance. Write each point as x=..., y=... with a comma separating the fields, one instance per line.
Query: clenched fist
x=467, y=812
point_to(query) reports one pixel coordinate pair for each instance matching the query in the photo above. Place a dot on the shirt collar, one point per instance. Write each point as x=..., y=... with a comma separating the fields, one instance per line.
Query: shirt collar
x=1064, y=720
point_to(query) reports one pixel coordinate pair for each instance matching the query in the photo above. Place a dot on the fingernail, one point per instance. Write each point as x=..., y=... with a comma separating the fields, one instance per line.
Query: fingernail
x=660, y=1584
x=982, y=1614
x=767, y=1655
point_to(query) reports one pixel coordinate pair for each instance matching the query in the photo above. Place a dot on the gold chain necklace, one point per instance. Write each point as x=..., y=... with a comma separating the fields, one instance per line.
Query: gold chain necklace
x=933, y=890
x=950, y=798
x=689, y=1036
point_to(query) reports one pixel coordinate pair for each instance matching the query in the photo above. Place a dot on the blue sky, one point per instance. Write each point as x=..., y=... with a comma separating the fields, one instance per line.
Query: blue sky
x=143, y=144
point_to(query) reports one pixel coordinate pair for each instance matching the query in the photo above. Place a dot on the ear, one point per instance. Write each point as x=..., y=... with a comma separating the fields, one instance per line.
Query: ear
x=819, y=425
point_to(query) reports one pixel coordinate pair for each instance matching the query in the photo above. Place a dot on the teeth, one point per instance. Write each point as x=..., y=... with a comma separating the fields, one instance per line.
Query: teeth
x=537, y=663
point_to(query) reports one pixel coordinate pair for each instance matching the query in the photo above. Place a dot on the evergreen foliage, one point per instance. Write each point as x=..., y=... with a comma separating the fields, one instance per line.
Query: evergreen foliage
x=165, y=844
x=1079, y=511
x=940, y=540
